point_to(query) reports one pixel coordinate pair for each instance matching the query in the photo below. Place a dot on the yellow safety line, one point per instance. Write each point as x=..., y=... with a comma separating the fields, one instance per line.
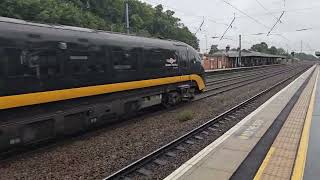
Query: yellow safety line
x=264, y=164
x=301, y=157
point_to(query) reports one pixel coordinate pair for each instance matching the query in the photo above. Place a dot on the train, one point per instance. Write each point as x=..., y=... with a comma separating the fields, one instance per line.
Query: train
x=57, y=80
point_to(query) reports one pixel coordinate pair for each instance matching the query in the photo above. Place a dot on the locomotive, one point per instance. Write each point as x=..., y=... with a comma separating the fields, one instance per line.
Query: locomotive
x=57, y=80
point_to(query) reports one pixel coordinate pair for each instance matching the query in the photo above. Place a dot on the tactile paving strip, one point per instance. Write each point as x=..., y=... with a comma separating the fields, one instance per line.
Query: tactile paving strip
x=282, y=153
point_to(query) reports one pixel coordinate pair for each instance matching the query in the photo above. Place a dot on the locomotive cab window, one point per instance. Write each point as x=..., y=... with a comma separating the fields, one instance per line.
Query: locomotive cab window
x=183, y=58
x=193, y=59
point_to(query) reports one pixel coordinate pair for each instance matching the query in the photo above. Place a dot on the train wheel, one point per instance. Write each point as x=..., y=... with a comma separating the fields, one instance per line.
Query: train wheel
x=171, y=99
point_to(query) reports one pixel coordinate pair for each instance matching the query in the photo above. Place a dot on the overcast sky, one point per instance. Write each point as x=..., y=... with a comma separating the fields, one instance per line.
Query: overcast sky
x=252, y=17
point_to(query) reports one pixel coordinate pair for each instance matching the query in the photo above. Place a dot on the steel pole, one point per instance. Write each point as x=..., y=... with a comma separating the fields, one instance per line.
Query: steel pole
x=238, y=64
x=127, y=17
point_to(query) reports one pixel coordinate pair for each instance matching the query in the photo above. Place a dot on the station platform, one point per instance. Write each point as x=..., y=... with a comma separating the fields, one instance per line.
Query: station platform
x=279, y=140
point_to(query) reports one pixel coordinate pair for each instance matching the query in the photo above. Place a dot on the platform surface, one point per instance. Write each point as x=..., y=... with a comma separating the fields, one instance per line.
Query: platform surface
x=222, y=158
x=312, y=165
x=280, y=161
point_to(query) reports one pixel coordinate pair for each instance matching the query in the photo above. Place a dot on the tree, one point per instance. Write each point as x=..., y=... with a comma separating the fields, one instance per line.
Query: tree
x=214, y=49
x=272, y=50
x=102, y=14
x=281, y=51
x=262, y=47
x=50, y=11
x=304, y=56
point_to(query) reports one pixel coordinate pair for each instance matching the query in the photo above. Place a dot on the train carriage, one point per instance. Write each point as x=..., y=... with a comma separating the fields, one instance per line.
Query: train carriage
x=57, y=80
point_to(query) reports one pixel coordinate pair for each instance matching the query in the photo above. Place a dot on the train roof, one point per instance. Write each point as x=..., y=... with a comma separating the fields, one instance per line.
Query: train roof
x=19, y=29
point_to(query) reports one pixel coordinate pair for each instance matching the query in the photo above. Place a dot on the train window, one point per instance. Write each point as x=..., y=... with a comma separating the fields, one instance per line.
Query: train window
x=154, y=59
x=124, y=60
x=193, y=59
x=19, y=63
x=198, y=58
x=97, y=62
x=183, y=58
x=79, y=62
x=49, y=65
x=83, y=62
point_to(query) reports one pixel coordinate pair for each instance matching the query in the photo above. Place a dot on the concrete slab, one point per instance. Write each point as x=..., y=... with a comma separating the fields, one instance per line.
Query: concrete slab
x=240, y=143
x=225, y=160
x=207, y=174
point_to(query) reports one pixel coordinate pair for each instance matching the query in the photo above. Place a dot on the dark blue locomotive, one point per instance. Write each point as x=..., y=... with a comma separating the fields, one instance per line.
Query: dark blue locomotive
x=57, y=80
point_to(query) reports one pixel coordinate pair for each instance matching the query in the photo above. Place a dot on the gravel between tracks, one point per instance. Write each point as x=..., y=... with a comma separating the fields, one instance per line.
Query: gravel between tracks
x=103, y=152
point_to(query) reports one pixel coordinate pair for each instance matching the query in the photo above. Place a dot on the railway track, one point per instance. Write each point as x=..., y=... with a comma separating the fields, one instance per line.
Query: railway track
x=218, y=88
x=142, y=168
x=228, y=77
x=233, y=85
x=212, y=75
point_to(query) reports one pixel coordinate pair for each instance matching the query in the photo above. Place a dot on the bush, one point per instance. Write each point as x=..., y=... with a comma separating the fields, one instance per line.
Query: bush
x=185, y=116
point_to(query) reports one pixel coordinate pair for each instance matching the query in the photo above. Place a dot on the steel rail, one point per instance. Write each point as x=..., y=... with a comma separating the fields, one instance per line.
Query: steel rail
x=250, y=78
x=211, y=81
x=235, y=74
x=210, y=93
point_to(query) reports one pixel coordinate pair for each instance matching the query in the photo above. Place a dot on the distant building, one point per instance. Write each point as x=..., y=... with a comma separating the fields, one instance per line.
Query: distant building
x=230, y=59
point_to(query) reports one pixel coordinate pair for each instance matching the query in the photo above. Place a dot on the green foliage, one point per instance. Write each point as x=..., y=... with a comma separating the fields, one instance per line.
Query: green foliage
x=272, y=50
x=185, y=116
x=50, y=11
x=304, y=56
x=102, y=14
x=263, y=47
